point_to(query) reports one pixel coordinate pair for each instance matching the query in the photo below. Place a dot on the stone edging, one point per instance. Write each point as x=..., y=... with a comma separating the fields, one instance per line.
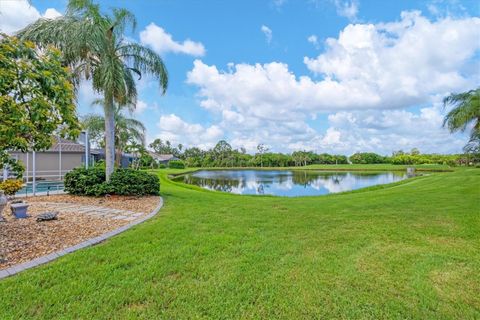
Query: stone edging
x=87, y=243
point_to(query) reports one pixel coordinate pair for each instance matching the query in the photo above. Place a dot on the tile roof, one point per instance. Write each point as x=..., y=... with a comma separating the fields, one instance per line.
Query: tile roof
x=66, y=146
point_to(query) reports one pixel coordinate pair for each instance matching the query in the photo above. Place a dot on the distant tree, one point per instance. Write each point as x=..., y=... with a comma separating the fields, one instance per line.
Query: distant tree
x=414, y=152
x=221, y=152
x=262, y=149
x=301, y=158
x=367, y=158
x=36, y=99
x=161, y=147
x=465, y=112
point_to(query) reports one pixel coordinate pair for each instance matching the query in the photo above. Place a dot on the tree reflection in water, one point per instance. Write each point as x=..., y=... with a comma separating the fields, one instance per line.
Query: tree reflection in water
x=287, y=182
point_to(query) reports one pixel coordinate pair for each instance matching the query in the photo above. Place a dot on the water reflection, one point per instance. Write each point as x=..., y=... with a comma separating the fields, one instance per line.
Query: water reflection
x=287, y=183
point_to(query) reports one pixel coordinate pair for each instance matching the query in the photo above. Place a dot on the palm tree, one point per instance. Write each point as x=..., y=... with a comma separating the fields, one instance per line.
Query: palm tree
x=465, y=112
x=94, y=47
x=128, y=131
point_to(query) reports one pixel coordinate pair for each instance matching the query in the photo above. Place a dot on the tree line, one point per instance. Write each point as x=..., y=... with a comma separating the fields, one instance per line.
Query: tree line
x=224, y=155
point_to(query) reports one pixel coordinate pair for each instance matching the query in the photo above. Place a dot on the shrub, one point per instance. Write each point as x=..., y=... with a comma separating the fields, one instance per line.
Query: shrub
x=10, y=187
x=161, y=166
x=91, y=182
x=81, y=181
x=176, y=164
x=132, y=182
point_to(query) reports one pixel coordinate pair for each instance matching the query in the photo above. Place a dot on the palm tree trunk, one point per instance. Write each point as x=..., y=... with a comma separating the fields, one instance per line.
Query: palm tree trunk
x=109, y=136
x=118, y=158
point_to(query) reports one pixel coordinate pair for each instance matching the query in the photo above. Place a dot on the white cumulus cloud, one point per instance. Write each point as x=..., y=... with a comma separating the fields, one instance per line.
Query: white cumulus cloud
x=162, y=42
x=370, y=74
x=176, y=130
x=15, y=15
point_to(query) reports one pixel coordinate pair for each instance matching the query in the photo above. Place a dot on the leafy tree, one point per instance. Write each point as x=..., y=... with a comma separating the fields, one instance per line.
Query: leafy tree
x=367, y=158
x=301, y=158
x=127, y=130
x=161, y=147
x=36, y=99
x=93, y=44
x=465, y=112
x=221, y=153
x=415, y=152
x=262, y=149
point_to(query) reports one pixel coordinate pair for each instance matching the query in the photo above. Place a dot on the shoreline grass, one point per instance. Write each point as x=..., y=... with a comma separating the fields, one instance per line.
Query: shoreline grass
x=402, y=251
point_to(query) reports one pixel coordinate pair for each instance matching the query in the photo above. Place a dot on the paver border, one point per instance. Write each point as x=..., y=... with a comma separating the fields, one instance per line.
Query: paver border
x=10, y=271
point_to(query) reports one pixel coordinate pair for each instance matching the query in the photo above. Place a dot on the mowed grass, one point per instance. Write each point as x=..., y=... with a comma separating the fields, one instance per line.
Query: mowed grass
x=406, y=251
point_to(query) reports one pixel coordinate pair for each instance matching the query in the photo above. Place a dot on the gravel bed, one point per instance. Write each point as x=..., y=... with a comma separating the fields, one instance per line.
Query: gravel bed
x=22, y=240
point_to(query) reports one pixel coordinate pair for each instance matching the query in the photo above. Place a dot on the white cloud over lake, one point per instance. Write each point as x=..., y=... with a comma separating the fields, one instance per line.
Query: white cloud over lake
x=371, y=73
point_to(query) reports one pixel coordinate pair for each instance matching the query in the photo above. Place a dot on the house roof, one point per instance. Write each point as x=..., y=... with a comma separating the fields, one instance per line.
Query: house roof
x=66, y=146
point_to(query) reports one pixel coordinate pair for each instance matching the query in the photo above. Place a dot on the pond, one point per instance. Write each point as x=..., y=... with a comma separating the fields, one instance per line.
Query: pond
x=290, y=183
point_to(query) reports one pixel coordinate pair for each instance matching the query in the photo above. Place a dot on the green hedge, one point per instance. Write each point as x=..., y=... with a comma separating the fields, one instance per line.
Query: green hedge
x=176, y=164
x=91, y=182
x=133, y=182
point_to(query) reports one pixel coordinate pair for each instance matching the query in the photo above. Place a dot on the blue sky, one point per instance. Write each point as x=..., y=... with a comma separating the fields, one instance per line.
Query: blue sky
x=281, y=73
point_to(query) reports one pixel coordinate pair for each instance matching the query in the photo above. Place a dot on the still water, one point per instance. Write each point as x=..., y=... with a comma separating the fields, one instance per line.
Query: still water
x=290, y=183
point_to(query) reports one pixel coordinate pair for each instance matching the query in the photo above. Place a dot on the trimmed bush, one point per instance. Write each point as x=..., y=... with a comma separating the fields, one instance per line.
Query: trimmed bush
x=132, y=182
x=91, y=182
x=81, y=181
x=176, y=164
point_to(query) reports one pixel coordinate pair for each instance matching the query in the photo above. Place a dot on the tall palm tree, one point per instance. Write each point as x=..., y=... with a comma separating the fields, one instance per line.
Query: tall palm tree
x=94, y=47
x=127, y=130
x=465, y=112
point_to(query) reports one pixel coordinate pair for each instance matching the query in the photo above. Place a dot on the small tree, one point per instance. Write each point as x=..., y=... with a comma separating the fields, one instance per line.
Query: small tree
x=262, y=149
x=36, y=99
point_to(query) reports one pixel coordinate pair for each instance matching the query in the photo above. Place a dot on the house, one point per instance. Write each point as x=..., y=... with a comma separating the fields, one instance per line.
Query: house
x=163, y=158
x=125, y=162
x=52, y=164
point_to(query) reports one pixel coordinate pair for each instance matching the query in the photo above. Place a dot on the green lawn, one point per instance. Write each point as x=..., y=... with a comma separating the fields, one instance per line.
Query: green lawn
x=406, y=251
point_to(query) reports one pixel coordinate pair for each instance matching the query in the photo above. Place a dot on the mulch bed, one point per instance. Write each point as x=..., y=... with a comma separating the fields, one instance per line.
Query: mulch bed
x=22, y=240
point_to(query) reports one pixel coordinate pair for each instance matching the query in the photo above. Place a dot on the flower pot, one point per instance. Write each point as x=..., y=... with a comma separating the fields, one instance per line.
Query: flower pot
x=19, y=210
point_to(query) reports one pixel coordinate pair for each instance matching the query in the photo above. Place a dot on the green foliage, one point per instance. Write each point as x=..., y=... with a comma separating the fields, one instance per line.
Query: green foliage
x=128, y=131
x=367, y=158
x=160, y=147
x=91, y=182
x=81, y=181
x=176, y=164
x=465, y=112
x=36, y=99
x=10, y=186
x=410, y=159
x=134, y=182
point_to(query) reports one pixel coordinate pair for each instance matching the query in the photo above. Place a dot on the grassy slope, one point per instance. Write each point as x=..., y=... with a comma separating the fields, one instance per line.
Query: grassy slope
x=407, y=251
